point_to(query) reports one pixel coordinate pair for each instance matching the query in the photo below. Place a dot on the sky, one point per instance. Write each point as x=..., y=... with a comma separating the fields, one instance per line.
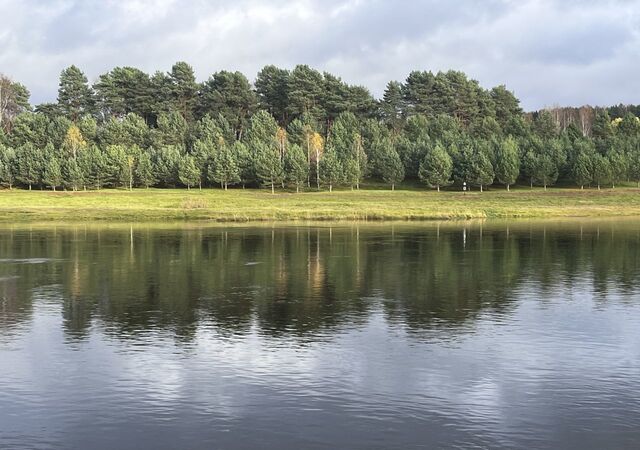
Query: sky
x=548, y=52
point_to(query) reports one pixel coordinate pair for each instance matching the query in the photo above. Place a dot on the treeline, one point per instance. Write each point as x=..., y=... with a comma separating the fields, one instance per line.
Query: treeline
x=301, y=128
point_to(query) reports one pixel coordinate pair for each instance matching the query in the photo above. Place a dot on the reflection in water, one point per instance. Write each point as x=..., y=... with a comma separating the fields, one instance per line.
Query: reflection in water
x=488, y=334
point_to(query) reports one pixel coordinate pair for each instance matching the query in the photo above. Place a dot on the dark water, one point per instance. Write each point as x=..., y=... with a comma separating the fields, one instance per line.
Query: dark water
x=507, y=335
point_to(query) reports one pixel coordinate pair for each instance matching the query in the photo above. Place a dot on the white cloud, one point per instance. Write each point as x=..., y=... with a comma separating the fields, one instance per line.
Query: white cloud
x=547, y=51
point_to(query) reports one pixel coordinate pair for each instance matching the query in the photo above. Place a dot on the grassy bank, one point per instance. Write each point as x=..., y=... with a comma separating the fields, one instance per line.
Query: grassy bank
x=261, y=205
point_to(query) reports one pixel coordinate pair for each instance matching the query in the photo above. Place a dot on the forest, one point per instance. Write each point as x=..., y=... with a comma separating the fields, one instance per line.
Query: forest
x=302, y=129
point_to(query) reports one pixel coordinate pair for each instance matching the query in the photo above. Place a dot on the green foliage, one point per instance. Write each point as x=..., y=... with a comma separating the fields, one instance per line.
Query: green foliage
x=75, y=97
x=29, y=165
x=390, y=166
x=188, y=172
x=582, y=171
x=507, y=167
x=132, y=126
x=268, y=164
x=545, y=171
x=330, y=168
x=224, y=168
x=52, y=173
x=7, y=166
x=601, y=170
x=296, y=167
x=436, y=168
x=145, y=175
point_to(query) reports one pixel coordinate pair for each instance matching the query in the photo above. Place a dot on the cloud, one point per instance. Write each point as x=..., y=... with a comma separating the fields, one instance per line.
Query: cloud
x=547, y=51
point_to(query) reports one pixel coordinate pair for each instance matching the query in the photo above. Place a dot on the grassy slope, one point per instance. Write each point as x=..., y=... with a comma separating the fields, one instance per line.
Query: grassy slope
x=261, y=205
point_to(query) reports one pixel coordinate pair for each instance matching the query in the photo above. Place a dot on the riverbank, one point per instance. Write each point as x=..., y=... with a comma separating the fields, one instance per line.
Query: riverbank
x=239, y=205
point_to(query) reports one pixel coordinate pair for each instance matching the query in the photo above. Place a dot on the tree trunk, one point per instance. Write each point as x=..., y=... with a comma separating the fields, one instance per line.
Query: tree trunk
x=438, y=187
x=582, y=187
x=273, y=190
x=330, y=187
x=393, y=187
x=480, y=188
x=297, y=188
x=598, y=186
x=29, y=186
x=545, y=187
x=508, y=188
x=54, y=188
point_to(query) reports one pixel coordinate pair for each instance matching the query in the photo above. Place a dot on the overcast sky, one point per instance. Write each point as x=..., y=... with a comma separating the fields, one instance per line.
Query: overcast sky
x=568, y=52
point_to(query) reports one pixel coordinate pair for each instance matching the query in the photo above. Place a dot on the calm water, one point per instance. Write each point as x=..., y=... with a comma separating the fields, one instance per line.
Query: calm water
x=506, y=335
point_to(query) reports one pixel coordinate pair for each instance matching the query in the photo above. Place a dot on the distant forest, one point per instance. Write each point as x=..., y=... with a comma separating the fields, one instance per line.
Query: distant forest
x=301, y=129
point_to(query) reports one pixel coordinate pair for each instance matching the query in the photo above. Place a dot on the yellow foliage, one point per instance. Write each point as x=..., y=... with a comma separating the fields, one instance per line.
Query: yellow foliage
x=317, y=146
x=74, y=140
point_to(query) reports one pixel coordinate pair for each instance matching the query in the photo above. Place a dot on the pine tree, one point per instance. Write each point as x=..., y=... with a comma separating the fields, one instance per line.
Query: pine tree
x=296, y=166
x=601, y=170
x=268, y=165
x=75, y=97
x=545, y=171
x=436, y=168
x=94, y=166
x=582, y=171
x=7, y=166
x=144, y=170
x=392, y=168
x=507, y=162
x=619, y=167
x=188, y=172
x=330, y=168
x=634, y=167
x=28, y=161
x=224, y=168
x=73, y=174
x=52, y=173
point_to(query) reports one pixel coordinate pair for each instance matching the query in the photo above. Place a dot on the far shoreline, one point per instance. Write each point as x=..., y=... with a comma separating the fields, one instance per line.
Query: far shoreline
x=367, y=205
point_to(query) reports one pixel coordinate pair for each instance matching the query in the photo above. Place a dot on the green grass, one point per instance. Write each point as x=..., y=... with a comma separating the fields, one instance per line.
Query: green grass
x=260, y=205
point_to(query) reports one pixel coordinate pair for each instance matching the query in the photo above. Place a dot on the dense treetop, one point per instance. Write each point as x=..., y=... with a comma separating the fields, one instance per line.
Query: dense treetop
x=302, y=128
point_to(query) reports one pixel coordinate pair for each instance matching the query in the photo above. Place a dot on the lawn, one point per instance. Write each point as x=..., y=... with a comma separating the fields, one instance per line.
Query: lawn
x=261, y=205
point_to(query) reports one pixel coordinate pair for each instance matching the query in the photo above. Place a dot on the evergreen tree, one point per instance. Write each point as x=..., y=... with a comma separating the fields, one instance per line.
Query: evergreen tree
x=93, y=164
x=507, y=166
x=480, y=171
x=330, y=169
x=436, y=168
x=75, y=97
x=52, y=173
x=144, y=170
x=619, y=167
x=545, y=171
x=634, y=167
x=188, y=172
x=7, y=166
x=296, y=166
x=244, y=160
x=601, y=170
x=268, y=165
x=73, y=174
x=224, y=168
x=28, y=162
x=166, y=161
x=582, y=171
x=391, y=167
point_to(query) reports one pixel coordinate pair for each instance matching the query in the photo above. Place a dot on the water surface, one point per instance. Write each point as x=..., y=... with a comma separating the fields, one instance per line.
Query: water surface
x=487, y=335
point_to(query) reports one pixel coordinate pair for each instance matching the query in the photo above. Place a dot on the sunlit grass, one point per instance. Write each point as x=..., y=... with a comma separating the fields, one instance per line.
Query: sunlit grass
x=367, y=204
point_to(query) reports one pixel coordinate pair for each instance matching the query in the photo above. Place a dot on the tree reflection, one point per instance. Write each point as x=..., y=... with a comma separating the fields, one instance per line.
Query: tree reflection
x=304, y=281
